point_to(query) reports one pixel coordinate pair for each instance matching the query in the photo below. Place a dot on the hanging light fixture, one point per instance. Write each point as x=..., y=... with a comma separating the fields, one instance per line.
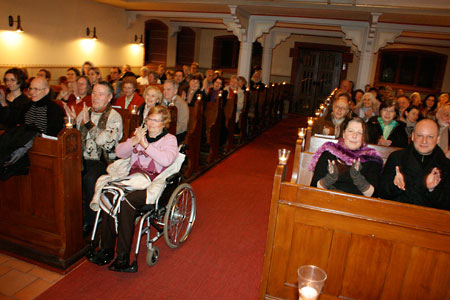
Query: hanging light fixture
x=12, y=21
x=94, y=33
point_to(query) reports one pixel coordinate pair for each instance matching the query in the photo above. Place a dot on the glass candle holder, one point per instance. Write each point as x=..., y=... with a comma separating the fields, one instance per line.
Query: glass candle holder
x=310, y=282
x=134, y=109
x=68, y=121
x=283, y=155
x=301, y=133
x=318, y=113
x=310, y=121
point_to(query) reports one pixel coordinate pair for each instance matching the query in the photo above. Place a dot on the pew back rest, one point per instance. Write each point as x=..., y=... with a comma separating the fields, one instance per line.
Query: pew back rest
x=129, y=121
x=173, y=119
x=305, y=175
x=229, y=110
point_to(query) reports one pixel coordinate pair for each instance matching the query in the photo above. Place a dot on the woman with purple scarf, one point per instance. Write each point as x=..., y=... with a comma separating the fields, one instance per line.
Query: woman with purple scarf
x=348, y=165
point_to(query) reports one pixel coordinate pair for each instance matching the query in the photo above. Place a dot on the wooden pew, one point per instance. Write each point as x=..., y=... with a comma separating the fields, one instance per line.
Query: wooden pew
x=193, y=138
x=270, y=106
x=173, y=119
x=213, y=123
x=253, y=117
x=40, y=213
x=130, y=122
x=370, y=248
x=229, y=111
x=261, y=109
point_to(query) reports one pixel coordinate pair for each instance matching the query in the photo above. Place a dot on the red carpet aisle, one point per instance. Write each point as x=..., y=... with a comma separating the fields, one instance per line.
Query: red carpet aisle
x=223, y=256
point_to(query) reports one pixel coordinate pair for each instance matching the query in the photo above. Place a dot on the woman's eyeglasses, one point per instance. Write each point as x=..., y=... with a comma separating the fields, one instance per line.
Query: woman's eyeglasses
x=154, y=120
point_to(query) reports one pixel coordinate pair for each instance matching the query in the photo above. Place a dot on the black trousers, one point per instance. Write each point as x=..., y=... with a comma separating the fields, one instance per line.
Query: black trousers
x=92, y=170
x=125, y=219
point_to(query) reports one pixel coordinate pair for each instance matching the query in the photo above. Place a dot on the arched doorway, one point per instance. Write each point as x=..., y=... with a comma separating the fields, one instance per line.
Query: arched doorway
x=185, y=46
x=155, y=49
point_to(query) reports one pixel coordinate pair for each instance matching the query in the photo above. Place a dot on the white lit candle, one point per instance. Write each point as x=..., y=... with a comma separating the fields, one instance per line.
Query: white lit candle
x=283, y=155
x=69, y=122
x=308, y=293
x=310, y=121
x=301, y=133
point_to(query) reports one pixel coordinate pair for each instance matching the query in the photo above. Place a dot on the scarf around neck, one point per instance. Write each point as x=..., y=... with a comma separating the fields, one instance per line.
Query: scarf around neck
x=388, y=128
x=339, y=150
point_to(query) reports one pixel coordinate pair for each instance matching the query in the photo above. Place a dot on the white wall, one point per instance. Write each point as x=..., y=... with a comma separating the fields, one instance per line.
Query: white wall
x=55, y=35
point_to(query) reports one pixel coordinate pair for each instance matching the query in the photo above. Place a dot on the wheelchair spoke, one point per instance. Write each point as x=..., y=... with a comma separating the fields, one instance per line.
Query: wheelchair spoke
x=180, y=216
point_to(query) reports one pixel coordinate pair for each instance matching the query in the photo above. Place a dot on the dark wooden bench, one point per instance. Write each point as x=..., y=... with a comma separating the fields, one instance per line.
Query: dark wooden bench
x=370, y=248
x=194, y=137
x=173, y=119
x=229, y=112
x=213, y=122
x=253, y=113
x=40, y=213
x=129, y=121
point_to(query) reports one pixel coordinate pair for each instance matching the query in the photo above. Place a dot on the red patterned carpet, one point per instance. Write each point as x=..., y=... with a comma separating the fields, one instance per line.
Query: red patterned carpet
x=223, y=257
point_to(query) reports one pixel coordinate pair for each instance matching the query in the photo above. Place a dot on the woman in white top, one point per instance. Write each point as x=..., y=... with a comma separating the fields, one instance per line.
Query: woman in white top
x=367, y=108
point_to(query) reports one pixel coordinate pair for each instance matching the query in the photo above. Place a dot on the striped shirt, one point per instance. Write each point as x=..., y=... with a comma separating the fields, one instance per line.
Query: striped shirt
x=37, y=115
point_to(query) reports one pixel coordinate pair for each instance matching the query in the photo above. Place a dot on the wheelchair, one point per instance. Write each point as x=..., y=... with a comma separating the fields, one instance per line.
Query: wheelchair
x=172, y=216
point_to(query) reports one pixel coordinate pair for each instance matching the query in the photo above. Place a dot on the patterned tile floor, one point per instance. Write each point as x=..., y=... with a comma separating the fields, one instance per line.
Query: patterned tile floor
x=21, y=280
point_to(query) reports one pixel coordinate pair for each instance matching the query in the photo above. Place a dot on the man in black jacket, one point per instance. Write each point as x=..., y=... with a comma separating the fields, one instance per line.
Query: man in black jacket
x=42, y=111
x=419, y=174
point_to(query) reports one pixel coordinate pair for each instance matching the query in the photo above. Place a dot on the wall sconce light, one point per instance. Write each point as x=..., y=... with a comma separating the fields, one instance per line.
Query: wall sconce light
x=94, y=33
x=140, y=43
x=12, y=21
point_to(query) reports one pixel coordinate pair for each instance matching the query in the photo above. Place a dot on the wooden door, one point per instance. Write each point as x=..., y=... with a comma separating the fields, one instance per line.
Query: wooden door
x=318, y=72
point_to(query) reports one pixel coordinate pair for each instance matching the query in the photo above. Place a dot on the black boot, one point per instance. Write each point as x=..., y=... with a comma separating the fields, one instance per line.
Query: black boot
x=101, y=257
x=122, y=264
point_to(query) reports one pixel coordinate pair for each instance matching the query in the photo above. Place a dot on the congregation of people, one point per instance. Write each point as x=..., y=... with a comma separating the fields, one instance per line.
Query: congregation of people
x=92, y=103
x=417, y=173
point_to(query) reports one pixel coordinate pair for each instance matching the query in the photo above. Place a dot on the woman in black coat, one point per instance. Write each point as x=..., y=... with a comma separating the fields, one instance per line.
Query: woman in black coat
x=385, y=130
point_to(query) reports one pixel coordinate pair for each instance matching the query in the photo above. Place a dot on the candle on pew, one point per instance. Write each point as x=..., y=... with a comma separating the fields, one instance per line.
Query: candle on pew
x=68, y=121
x=308, y=293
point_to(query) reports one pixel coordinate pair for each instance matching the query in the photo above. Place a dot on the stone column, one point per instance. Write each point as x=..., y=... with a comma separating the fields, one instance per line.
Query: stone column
x=267, y=58
x=245, y=57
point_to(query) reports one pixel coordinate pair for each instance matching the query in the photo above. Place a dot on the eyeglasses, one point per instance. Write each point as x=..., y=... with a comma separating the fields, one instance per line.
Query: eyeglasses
x=340, y=108
x=154, y=120
x=33, y=89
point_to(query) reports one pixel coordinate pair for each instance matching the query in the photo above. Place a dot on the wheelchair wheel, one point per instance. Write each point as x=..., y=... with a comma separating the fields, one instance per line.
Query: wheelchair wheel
x=152, y=256
x=180, y=215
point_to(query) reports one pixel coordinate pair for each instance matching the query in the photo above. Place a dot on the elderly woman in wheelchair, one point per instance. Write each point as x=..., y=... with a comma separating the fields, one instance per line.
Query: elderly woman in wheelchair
x=127, y=188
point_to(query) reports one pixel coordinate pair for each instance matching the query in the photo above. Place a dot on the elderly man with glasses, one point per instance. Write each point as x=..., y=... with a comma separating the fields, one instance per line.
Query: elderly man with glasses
x=42, y=111
x=331, y=124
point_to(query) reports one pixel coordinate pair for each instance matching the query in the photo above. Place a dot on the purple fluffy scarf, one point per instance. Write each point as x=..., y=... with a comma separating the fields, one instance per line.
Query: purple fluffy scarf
x=339, y=150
